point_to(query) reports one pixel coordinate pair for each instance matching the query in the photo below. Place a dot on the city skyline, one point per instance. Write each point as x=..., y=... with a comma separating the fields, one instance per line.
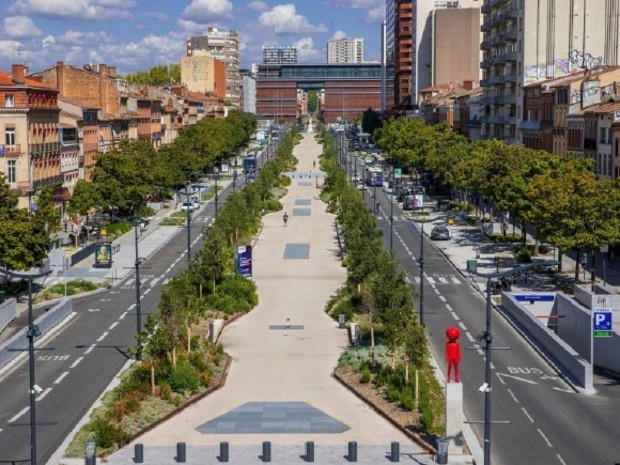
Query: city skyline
x=137, y=34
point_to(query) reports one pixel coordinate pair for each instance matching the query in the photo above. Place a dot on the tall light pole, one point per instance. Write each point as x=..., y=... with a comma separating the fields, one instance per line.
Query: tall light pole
x=189, y=222
x=138, y=298
x=215, y=178
x=488, y=339
x=421, y=260
x=33, y=332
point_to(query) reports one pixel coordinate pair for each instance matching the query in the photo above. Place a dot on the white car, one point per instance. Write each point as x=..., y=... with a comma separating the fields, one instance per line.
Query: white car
x=360, y=185
x=189, y=206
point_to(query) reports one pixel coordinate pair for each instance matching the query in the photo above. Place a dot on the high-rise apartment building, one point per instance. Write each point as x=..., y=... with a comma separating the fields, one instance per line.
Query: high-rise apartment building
x=223, y=45
x=279, y=55
x=248, y=101
x=526, y=41
x=345, y=50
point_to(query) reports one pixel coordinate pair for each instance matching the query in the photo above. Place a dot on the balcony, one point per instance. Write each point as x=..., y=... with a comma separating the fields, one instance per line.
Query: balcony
x=485, y=64
x=484, y=83
x=10, y=150
x=54, y=180
x=529, y=125
x=512, y=35
x=485, y=45
x=510, y=99
x=47, y=147
x=512, y=13
x=486, y=7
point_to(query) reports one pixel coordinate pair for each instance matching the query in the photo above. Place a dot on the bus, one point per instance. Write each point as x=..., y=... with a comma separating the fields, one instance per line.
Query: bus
x=374, y=177
x=249, y=163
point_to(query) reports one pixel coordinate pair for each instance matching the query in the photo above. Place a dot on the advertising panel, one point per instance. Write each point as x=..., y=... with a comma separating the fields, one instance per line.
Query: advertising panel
x=243, y=260
x=103, y=256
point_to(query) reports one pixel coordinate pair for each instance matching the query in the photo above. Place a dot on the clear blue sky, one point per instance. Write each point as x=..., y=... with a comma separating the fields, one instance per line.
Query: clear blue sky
x=137, y=34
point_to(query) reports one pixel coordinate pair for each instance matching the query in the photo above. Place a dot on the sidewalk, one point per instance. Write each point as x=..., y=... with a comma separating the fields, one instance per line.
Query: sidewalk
x=280, y=387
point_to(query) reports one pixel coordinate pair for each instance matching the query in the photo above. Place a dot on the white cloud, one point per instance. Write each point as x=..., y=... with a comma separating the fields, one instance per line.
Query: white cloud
x=306, y=51
x=284, y=19
x=118, y=3
x=20, y=27
x=73, y=9
x=163, y=17
x=338, y=35
x=258, y=6
x=376, y=15
x=191, y=26
x=72, y=37
x=48, y=41
x=9, y=51
x=353, y=4
x=204, y=11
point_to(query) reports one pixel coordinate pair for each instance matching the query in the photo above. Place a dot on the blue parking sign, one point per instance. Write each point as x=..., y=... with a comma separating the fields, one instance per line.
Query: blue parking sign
x=602, y=322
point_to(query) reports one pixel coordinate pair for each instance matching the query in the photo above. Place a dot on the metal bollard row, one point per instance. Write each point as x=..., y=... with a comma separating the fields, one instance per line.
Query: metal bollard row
x=308, y=456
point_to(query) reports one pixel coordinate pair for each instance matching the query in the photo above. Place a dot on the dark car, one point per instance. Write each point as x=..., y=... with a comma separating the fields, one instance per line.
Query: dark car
x=441, y=233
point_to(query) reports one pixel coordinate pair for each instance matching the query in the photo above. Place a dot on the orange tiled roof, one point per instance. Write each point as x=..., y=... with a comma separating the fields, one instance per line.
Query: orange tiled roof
x=6, y=79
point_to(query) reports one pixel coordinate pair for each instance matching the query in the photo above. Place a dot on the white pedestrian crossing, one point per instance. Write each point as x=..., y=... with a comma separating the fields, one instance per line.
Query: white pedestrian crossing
x=438, y=280
x=443, y=280
x=430, y=280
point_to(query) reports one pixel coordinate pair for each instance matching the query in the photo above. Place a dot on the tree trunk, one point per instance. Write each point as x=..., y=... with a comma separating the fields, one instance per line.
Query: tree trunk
x=393, y=362
x=577, y=265
x=372, y=345
x=407, y=373
x=417, y=387
x=536, y=245
x=200, y=290
x=593, y=272
x=523, y=233
x=174, y=358
x=189, y=340
x=560, y=253
x=152, y=378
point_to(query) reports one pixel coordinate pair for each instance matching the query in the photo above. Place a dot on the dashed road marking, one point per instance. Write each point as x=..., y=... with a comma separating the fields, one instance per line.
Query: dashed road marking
x=90, y=349
x=513, y=395
x=529, y=417
x=443, y=280
x=557, y=455
x=455, y=316
x=469, y=336
x=61, y=377
x=103, y=336
x=462, y=325
x=123, y=315
x=442, y=298
x=131, y=307
x=19, y=414
x=113, y=325
x=43, y=394
x=545, y=437
x=76, y=363
x=430, y=279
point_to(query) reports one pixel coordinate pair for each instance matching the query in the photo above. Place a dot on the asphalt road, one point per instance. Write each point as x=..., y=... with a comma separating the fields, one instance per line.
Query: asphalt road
x=89, y=351
x=549, y=422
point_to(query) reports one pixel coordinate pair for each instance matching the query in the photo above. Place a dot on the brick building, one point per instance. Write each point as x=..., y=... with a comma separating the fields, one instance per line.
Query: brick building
x=29, y=123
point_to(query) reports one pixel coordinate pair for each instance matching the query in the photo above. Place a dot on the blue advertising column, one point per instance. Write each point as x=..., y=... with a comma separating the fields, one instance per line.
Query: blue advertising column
x=243, y=260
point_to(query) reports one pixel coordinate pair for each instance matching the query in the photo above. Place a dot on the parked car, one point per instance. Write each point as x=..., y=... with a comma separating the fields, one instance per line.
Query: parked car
x=189, y=206
x=441, y=233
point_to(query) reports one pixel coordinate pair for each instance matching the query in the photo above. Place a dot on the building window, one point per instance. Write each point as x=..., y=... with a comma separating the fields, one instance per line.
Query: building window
x=9, y=100
x=11, y=171
x=9, y=136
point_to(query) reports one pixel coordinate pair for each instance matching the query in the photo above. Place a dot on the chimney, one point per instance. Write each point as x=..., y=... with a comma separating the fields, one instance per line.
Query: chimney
x=60, y=77
x=112, y=71
x=17, y=72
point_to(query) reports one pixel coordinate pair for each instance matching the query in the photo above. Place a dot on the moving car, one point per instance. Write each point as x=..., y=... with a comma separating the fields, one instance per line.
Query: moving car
x=360, y=185
x=189, y=206
x=441, y=233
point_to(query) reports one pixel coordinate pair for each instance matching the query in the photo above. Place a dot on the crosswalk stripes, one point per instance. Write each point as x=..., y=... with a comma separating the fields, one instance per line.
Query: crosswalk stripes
x=430, y=280
x=438, y=279
x=443, y=280
x=456, y=280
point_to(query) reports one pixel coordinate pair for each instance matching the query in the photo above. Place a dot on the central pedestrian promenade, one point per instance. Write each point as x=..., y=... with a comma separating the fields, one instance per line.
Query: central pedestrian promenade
x=280, y=387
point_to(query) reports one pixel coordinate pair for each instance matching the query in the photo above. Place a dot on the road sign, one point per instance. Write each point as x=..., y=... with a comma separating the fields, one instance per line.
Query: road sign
x=602, y=322
x=398, y=172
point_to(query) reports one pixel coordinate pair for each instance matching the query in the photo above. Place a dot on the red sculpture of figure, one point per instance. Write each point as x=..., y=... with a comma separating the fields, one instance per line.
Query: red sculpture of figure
x=453, y=352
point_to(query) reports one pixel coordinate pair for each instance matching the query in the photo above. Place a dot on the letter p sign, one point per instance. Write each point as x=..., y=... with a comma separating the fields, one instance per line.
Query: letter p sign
x=602, y=320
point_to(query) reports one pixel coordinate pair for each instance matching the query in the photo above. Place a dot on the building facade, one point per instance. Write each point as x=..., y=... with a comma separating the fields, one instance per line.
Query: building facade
x=30, y=151
x=249, y=91
x=279, y=55
x=201, y=72
x=532, y=40
x=345, y=50
x=223, y=45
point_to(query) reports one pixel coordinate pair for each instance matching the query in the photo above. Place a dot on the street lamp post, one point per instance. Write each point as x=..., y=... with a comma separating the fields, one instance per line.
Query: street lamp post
x=138, y=303
x=488, y=339
x=189, y=221
x=33, y=332
x=421, y=261
x=215, y=177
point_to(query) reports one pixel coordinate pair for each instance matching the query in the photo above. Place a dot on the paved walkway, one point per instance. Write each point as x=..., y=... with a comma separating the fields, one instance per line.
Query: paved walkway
x=280, y=387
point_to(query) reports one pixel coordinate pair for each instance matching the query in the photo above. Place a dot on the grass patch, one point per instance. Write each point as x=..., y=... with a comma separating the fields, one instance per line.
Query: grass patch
x=211, y=193
x=180, y=214
x=73, y=287
x=172, y=221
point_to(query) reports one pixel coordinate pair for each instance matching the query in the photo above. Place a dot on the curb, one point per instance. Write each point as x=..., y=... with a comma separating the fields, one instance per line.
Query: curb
x=413, y=436
x=74, y=296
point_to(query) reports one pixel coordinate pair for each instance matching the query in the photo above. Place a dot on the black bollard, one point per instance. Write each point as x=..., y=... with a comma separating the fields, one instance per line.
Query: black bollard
x=352, y=456
x=138, y=454
x=309, y=451
x=266, y=457
x=180, y=452
x=223, y=452
x=395, y=452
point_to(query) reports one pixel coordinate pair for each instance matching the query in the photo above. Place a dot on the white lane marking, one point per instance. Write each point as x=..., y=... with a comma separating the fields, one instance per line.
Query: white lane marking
x=449, y=307
x=442, y=298
x=430, y=280
x=147, y=291
x=76, y=363
x=529, y=417
x=43, y=394
x=470, y=337
x=492, y=366
x=143, y=281
x=166, y=281
x=456, y=280
x=90, y=349
x=513, y=396
x=563, y=390
x=154, y=282
x=480, y=351
x=61, y=377
x=545, y=437
x=19, y=414
x=500, y=379
x=131, y=307
x=103, y=336
x=500, y=375
x=443, y=280
x=455, y=316
x=123, y=315
x=462, y=325
x=0, y=430
x=130, y=282
x=113, y=325
x=557, y=455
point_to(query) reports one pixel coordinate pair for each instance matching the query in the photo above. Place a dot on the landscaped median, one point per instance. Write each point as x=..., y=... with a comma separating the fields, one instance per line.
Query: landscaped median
x=178, y=361
x=390, y=365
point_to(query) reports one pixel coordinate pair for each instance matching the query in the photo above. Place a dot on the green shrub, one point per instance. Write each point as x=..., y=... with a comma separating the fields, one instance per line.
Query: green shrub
x=185, y=378
x=234, y=294
x=106, y=434
x=148, y=212
x=272, y=205
x=14, y=287
x=365, y=375
x=117, y=228
x=73, y=287
x=523, y=254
